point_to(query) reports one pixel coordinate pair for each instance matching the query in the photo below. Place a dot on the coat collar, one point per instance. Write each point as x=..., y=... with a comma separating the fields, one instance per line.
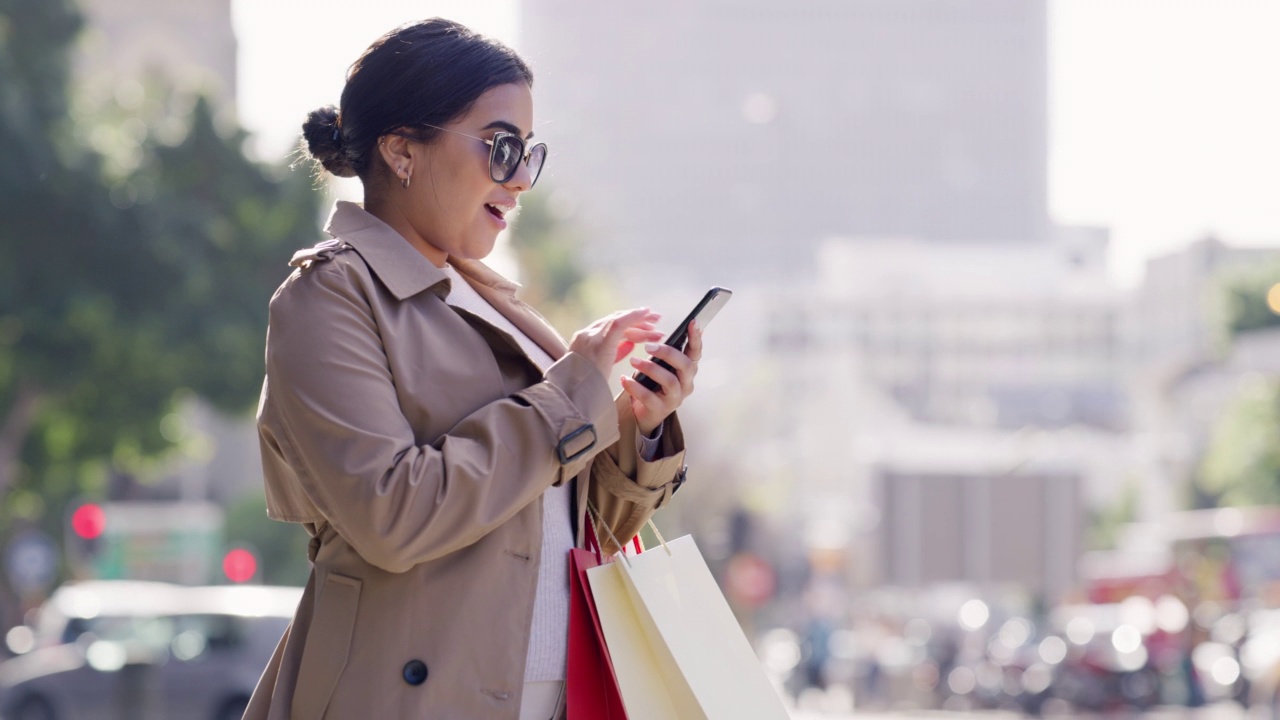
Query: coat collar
x=406, y=272
x=402, y=269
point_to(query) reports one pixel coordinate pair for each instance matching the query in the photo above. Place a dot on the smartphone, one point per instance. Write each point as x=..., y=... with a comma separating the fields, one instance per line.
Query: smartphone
x=706, y=309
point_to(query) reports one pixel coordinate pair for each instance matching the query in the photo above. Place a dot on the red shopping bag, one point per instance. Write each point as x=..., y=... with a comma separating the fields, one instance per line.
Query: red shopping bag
x=590, y=688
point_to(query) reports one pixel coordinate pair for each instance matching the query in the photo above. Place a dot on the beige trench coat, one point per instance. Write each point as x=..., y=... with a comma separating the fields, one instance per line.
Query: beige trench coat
x=414, y=441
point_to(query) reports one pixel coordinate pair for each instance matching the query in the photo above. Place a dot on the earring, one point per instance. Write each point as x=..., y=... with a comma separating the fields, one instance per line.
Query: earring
x=405, y=181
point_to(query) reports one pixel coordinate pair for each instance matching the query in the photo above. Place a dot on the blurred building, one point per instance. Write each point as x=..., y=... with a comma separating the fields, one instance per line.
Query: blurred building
x=983, y=334
x=954, y=406
x=190, y=44
x=717, y=140
x=1177, y=312
x=958, y=408
x=979, y=507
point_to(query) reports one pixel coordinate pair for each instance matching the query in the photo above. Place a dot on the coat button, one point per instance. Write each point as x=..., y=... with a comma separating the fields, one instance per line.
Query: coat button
x=415, y=672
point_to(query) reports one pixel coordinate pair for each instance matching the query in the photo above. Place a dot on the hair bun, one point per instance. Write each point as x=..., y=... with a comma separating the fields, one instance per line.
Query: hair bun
x=323, y=136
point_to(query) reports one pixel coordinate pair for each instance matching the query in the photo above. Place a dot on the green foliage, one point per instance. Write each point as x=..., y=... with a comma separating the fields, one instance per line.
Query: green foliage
x=548, y=250
x=1242, y=465
x=1245, y=297
x=1105, y=523
x=124, y=286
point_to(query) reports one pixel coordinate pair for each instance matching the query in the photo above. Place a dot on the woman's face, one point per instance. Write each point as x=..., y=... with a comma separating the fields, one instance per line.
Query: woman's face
x=453, y=204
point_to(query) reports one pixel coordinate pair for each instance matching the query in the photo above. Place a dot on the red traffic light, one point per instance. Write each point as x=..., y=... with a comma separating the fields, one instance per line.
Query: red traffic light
x=89, y=521
x=239, y=565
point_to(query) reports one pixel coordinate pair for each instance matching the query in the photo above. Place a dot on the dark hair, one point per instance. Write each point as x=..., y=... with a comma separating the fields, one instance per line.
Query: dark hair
x=428, y=72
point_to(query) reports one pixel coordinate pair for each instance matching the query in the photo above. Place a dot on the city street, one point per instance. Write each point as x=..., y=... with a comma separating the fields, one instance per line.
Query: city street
x=1216, y=712
x=1225, y=711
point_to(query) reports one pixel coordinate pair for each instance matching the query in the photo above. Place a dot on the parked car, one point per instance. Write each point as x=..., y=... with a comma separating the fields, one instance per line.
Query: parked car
x=146, y=650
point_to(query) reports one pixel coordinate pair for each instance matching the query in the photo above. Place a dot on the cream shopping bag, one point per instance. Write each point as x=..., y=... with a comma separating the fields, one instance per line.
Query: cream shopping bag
x=676, y=648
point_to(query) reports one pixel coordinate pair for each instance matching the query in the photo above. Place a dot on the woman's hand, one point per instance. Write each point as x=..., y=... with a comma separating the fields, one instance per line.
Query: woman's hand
x=650, y=407
x=607, y=340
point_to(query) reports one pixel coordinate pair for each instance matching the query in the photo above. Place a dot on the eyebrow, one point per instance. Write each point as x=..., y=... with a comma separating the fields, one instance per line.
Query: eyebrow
x=504, y=125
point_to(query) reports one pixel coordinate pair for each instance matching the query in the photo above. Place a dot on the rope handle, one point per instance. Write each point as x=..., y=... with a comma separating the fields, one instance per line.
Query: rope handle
x=593, y=540
x=593, y=544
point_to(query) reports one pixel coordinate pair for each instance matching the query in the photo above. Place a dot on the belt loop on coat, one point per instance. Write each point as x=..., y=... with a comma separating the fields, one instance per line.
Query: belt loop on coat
x=313, y=548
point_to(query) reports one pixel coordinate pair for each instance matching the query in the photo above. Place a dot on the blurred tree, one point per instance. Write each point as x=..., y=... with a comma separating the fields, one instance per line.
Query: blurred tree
x=548, y=250
x=1252, y=299
x=122, y=286
x=1106, y=522
x=1242, y=464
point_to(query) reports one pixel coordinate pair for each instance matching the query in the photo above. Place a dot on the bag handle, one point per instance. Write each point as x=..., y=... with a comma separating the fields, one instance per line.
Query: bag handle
x=593, y=540
x=658, y=535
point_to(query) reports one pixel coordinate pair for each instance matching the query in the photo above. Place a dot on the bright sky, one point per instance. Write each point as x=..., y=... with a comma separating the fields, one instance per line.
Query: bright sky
x=1165, y=114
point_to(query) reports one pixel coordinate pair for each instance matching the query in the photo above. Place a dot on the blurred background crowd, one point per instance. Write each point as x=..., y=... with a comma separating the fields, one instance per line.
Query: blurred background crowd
x=992, y=423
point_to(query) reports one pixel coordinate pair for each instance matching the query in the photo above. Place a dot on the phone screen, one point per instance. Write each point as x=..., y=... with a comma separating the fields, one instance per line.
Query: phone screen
x=703, y=312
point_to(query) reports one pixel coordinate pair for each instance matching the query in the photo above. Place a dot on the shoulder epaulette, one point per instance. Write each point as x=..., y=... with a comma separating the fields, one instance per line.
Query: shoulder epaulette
x=321, y=252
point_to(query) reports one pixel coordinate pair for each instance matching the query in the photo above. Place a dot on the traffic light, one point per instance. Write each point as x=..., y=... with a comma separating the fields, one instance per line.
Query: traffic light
x=86, y=526
x=240, y=565
x=89, y=521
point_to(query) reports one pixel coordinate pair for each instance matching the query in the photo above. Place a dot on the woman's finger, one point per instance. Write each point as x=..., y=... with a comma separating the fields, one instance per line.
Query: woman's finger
x=624, y=349
x=650, y=400
x=666, y=379
x=640, y=334
x=673, y=357
x=694, y=348
x=638, y=391
x=603, y=340
x=634, y=336
x=634, y=316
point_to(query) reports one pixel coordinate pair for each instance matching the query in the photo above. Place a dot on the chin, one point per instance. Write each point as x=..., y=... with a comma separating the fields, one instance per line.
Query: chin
x=478, y=251
x=485, y=248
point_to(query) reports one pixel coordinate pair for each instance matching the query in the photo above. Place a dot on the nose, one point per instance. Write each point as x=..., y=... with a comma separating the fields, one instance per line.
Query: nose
x=521, y=180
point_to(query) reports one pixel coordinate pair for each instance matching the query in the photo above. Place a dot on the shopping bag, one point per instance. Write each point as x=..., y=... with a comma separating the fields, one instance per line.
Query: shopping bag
x=591, y=692
x=676, y=648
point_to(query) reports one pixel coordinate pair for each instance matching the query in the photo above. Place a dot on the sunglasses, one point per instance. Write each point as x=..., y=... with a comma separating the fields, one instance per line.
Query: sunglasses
x=506, y=150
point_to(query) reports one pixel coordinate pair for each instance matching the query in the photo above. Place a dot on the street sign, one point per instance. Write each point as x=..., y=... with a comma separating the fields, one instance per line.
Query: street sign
x=162, y=541
x=31, y=561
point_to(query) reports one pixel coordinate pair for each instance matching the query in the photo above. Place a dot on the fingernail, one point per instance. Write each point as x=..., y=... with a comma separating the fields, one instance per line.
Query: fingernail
x=651, y=347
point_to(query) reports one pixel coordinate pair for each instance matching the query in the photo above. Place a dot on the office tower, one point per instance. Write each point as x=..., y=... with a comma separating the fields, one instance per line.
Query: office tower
x=734, y=137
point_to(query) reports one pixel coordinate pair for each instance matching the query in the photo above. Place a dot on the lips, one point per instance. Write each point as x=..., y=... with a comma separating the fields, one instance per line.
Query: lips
x=499, y=209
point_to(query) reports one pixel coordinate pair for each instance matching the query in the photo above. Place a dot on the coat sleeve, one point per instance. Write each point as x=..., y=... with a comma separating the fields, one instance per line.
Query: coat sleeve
x=625, y=489
x=331, y=413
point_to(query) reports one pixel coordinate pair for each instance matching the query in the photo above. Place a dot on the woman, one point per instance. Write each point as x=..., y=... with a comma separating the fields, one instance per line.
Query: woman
x=439, y=441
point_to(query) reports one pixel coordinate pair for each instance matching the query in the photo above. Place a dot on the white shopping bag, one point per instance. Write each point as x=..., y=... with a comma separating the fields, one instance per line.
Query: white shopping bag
x=677, y=650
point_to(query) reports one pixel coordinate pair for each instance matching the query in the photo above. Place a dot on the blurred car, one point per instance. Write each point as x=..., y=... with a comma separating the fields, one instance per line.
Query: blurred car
x=1106, y=665
x=1260, y=661
x=145, y=650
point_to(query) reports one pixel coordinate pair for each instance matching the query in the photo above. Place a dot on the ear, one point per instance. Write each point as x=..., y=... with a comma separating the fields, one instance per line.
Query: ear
x=395, y=152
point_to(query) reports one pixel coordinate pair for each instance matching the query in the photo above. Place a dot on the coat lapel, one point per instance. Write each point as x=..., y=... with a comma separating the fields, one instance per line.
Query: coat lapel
x=501, y=294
